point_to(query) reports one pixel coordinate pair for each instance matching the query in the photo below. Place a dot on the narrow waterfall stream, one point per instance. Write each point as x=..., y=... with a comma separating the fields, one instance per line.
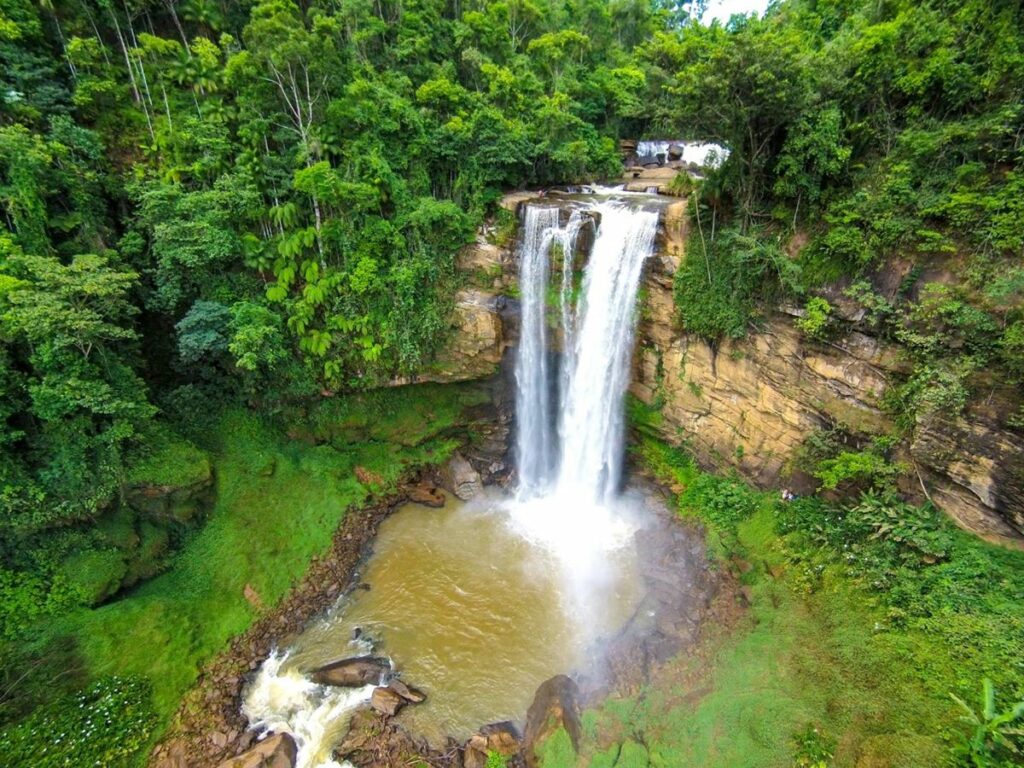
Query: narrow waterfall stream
x=477, y=604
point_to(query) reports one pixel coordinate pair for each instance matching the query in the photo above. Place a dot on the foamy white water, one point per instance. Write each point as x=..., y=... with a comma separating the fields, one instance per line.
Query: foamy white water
x=568, y=504
x=286, y=701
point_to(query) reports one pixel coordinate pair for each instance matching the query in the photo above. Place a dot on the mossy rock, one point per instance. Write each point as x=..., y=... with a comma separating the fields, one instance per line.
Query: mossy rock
x=632, y=755
x=95, y=574
x=169, y=461
x=172, y=482
x=117, y=528
x=556, y=751
x=155, y=542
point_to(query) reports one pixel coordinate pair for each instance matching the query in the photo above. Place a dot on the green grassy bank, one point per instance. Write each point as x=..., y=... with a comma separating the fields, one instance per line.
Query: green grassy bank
x=278, y=501
x=862, y=621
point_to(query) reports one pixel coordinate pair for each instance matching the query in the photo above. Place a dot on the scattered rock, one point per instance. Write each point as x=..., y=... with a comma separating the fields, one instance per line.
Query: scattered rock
x=502, y=738
x=253, y=597
x=277, y=751
x=427, y=495
x=387, y=701
x=459, y=477
x=407, y=692
x=354, y=672
x=555, y=705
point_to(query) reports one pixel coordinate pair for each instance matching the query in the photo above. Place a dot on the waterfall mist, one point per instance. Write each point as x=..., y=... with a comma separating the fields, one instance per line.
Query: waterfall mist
x=570, y=463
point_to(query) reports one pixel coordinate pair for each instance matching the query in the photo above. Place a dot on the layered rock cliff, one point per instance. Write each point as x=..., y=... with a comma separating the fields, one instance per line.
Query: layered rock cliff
x=751, y=404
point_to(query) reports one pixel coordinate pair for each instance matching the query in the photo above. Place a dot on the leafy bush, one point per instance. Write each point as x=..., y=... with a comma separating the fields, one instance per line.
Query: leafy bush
x=994, y=739
x=816, y=322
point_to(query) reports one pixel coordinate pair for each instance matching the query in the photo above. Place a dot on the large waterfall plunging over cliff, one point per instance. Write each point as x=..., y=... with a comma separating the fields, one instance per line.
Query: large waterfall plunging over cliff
x=580, y=451
x=570, y=463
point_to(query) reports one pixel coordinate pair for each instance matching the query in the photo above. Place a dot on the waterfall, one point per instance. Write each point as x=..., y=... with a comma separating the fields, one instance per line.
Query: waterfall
x=568, y=477
x=592, y=422
x=534, y=439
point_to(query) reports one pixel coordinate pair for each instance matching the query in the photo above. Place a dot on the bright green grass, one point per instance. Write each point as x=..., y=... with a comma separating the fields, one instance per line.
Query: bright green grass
x=818, y=653
x=262, y=531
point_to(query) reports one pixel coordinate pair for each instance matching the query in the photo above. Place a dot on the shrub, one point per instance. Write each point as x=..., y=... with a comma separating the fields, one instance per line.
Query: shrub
x=816, y=323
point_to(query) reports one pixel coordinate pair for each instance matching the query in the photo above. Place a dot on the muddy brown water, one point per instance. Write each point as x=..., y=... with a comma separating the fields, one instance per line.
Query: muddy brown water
x=477, y=617
x=469, y=612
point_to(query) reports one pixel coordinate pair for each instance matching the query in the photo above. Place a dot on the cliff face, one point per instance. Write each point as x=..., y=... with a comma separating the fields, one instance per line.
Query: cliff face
x=752, y=403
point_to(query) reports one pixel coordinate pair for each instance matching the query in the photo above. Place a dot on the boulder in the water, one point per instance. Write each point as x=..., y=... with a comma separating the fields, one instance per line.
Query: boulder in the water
x=501, y=738
x=407, y=692
x=675, y=151
x=354, y=672
x=427, y=495
x=277, y=751
x=459, y=477
x=387, y=701
x=555, y=705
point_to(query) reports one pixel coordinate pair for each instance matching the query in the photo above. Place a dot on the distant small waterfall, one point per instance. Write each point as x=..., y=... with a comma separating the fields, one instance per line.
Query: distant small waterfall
x=584, y=456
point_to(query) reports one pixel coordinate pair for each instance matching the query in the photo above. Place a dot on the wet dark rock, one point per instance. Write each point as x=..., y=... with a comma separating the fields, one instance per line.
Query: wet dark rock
x=354, y=672
x=407, y=692
x=502, y=738
x=675, y=151
x=387, y=701
x=555, y=705
x=427, y=495
x=278, y=751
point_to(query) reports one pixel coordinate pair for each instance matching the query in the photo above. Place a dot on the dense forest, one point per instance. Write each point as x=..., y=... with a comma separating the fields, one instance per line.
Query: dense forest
x=211, y=204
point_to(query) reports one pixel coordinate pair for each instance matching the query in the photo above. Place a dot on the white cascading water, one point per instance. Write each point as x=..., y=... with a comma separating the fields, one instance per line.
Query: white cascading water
x=534, y=444
x=286, y=701
x=566, y=503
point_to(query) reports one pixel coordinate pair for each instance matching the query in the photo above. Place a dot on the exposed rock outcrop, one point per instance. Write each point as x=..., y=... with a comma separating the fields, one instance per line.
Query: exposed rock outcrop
x=500, y=738
x=277, y=751
x=555, y=705
x=751, y=403
x=459, y=477
x=357, y=671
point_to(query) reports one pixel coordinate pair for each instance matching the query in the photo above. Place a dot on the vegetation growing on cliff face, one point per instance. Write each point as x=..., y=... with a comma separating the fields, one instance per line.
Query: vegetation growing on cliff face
x=880, y=142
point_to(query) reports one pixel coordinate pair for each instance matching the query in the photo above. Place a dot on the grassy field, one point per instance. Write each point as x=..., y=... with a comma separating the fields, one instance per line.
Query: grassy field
x=279, y=500
x=847, y=655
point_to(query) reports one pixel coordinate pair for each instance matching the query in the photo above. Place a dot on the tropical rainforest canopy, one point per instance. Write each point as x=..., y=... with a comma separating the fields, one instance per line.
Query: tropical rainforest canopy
x=209, y=202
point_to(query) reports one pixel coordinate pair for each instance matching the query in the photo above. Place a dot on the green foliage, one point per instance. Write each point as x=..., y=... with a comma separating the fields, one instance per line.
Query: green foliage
x=994, y=739
x=903, y=607
x=816, y=321
x=496, y=760
x=812, y=748
x=556, y=751
x=109, y=723
x=722, y=283
x=869, y=465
